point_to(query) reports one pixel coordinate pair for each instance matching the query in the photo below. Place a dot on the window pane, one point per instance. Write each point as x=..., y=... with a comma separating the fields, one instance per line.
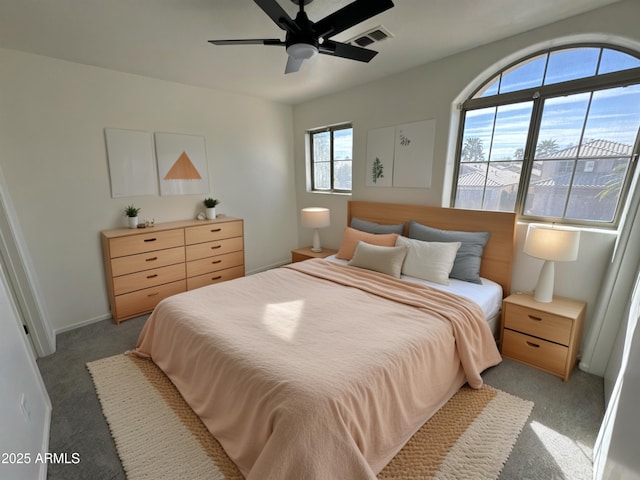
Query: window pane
x=548, y=188
x=561, y=127
x=342, y=144
x=321, y=147
x=596, y=189
x=478, y=128
x=322, y=176
x=614, y=61
x=470, y=190
x=614, y=118
x=501, y=191
x=511, y=130
x=527, y=74
x=570, y=64
x=490, y=88
x=342, y=175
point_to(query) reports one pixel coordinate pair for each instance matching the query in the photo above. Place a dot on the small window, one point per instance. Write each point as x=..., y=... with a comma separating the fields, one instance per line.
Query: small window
x=331, y=156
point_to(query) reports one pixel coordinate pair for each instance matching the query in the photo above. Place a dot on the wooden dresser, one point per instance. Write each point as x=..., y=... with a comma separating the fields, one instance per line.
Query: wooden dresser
x=146, y=265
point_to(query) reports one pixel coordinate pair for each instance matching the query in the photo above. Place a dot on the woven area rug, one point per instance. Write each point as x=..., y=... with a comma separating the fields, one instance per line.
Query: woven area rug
x=157, y=435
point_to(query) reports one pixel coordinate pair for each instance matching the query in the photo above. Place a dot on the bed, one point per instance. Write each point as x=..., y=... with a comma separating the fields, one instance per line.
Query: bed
x=323, y=370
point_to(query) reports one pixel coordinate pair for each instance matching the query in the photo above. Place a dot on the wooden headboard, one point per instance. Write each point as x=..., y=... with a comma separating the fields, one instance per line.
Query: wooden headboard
x=497, y=259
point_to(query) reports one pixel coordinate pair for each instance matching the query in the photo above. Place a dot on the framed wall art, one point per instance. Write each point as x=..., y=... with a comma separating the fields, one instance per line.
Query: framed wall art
x=132, y=170
x=182, y=164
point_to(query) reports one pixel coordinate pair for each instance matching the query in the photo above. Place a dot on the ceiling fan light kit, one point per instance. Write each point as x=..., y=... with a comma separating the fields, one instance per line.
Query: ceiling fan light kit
x=305, y=39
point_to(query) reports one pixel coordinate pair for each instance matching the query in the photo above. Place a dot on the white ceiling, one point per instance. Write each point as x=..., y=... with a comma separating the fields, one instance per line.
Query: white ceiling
x=167, y=39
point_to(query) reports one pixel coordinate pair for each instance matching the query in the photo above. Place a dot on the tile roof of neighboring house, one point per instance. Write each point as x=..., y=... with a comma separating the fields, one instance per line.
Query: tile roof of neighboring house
x=595, y=148
x=496, y=177
x=582, y=179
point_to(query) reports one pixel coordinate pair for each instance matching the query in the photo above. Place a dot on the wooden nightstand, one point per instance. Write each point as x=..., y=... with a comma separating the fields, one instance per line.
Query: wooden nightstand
x=543, y=335
x=305, y=253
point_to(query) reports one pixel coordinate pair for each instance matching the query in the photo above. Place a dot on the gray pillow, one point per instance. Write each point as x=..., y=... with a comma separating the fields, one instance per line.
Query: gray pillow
x=469, y=256
x=373, y=227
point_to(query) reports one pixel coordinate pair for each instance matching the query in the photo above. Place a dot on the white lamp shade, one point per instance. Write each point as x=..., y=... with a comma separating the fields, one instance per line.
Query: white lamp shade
x=315, y=217
x=558, y=244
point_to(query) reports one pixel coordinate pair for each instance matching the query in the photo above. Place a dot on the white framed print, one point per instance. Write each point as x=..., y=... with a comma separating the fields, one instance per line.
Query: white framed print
x=413, y=154
x=132, y=171
x=380, y=144
x=182, y=164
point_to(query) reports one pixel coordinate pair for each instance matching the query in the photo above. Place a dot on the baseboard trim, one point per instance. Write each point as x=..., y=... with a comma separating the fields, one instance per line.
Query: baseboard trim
x=83, y=323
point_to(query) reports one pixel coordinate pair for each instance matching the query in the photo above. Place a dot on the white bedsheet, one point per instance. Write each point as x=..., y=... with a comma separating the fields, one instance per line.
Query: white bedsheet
x=488, y=295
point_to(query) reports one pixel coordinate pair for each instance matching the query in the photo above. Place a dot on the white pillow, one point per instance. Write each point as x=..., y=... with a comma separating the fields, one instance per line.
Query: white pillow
x=378, y=258
x=431, y=261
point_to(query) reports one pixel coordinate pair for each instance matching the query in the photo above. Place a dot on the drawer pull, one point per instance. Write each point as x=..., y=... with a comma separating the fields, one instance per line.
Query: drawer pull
x=150, y=239
x=216, y=247
x=534, y=345
x=152, y=276
x=216, y=261
x=153, y=294
x=151, y=259
x=217, y=278
x=215, y=230
x=537, y=319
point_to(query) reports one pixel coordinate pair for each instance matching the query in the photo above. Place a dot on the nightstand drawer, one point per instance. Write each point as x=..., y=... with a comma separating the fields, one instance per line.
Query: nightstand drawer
x=213, y=264
x=213, y=231
x=538, y=323
x=538, y=353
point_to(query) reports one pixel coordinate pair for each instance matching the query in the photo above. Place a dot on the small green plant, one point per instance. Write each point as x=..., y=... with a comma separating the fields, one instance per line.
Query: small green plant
x=210, y=202
x=131, y=211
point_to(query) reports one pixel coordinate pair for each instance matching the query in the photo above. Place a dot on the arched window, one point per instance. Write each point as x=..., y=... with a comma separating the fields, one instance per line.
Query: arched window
x=553, y=137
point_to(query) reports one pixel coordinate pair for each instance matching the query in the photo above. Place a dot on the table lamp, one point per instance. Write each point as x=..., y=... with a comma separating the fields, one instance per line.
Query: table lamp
x=551, y=244
x=315, y=217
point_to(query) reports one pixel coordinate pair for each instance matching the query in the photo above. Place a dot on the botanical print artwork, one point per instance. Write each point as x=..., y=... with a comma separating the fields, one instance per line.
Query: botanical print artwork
x=380, y=145
x=401, y=156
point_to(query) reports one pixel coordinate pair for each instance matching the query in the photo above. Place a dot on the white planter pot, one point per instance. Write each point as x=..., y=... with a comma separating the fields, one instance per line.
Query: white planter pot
x=211, y=213
x=133, y=222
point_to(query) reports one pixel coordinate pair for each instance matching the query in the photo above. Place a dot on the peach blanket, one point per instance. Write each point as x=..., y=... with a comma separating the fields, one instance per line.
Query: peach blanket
x=317, y=370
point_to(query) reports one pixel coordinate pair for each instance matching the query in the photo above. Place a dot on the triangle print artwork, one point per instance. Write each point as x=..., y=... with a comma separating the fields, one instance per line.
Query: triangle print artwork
x=183, y=169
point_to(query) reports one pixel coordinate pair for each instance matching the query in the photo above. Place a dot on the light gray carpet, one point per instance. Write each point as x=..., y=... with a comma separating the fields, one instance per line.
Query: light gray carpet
x=556, y=442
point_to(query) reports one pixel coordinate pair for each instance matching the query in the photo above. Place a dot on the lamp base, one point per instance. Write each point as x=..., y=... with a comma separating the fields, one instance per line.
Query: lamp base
x=543, y=292
x=316, y=242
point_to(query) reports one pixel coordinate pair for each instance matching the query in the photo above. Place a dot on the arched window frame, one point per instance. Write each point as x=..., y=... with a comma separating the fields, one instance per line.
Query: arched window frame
x=538, y=94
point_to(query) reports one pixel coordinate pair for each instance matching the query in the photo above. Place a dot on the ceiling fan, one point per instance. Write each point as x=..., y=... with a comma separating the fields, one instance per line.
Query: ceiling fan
x=305, y=39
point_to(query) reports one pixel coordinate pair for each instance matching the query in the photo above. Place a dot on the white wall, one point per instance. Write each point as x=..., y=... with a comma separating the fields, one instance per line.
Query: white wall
x=431, y=92
x=53, y=158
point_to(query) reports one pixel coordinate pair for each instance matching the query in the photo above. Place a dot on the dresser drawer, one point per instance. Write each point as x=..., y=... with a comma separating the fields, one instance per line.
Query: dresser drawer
x=209, y=249
x=538, y=323
x=547, y=356
x=148, y=278
x=213, y=231
x=215, y=277
x=146, y=261
x=143, y=301
x=213, y=264
x=145, y=242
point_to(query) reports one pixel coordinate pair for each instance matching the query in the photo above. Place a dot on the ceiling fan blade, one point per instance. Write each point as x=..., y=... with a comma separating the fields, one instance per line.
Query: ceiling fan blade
x=249, y=41
x=344, y=50
x=293, y=64
x=350, y=15
x=278, y=15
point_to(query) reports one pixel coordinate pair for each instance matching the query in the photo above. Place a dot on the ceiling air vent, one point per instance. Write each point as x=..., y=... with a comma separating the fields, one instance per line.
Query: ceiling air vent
x=374, y=35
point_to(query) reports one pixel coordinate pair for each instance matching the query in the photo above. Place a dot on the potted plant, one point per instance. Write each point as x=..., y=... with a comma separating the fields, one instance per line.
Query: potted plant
x=210, y=204
x=132, y=213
